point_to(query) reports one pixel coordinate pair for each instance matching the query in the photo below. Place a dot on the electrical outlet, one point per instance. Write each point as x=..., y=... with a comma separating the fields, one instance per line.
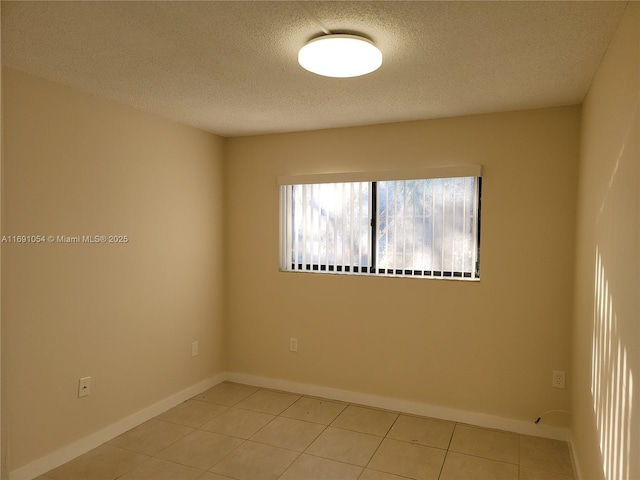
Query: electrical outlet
x=293, y=344
x=194, y=349
x=558, y=378
x=84, y=386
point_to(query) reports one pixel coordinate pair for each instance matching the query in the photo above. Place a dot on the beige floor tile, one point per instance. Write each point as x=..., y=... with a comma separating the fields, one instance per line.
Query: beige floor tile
x=308, y=467
x=238, y=423
x=545, y=454
x=408, y=460
x=226, y=393
x=299, y=445
x=213, y=476
x=192, y=413
x=315, y=410
x=345, y=446
x=268, y=401
x=102, y=463
x=253, y=461
x=375, y=475
x=365, y=420
x=464, y=467
x=423, y=431
x=527, y=473
x=289, y=433
x=150, y=437
x=200, y=449
x=481, y=442
x=156, y=469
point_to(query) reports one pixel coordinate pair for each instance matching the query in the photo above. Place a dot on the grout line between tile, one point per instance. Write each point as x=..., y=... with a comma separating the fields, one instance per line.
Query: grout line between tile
x=225, y=456
x=374, y=453
x=444, y=460
x=334, y=460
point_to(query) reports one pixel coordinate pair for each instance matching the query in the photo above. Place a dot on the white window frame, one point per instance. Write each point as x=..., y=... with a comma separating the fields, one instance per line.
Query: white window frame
x=349, y=177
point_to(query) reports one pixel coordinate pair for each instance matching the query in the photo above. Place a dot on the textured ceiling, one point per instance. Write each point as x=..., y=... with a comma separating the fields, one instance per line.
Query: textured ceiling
x=231, y=67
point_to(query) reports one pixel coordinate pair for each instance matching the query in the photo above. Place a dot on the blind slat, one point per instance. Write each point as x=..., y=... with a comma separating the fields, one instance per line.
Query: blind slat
x=304, y=225
x=444, y=226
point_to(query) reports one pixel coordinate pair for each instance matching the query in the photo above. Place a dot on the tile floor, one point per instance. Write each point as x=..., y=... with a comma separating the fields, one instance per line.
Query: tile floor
x=234, y=431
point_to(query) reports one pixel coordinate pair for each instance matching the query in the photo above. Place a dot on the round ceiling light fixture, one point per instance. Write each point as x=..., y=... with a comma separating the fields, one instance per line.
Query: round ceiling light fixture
x=340, y=55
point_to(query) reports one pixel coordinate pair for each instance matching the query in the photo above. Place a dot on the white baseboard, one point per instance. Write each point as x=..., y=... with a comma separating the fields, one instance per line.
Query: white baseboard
x=574, y=458
x=71, y=451
x=415, y=408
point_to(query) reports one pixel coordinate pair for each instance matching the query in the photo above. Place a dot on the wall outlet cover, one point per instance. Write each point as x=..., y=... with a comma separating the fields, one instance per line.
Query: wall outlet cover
x=558, y=379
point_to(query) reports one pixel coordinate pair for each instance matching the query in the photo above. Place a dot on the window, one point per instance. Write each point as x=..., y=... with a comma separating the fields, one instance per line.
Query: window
x=421, y=226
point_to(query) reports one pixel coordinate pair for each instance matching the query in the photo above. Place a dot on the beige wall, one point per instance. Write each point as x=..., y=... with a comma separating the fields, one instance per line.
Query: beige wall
x=606, y=343
x=123, y=314
x=487, y=347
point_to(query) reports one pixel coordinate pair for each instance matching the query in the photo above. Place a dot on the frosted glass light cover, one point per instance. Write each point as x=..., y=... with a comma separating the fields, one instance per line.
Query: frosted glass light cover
x=340, y=55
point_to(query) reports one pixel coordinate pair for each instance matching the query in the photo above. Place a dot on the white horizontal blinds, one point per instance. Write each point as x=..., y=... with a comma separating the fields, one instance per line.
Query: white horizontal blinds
x=423, y=227
x=428, y=227
x=329, y=227
x=384, y=175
